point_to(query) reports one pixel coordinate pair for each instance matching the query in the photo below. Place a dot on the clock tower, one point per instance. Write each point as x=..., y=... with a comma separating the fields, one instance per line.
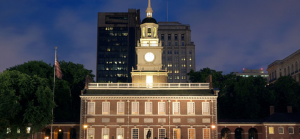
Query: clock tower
x=149, y=53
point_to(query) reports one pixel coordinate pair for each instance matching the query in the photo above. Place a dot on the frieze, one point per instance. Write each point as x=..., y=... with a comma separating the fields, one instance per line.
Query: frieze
x=148, y=97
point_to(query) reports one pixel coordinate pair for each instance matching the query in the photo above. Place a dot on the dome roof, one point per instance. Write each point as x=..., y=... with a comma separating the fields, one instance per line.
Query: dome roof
x=149, y=20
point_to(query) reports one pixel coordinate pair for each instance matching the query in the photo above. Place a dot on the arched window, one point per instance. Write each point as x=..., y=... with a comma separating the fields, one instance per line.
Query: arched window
x=72, y=133
x=252, y=133
x=239, y=133
x=149, y=32
x=225, y=133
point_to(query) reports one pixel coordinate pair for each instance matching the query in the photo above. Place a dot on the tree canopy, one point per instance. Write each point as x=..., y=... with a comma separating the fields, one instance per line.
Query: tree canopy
x=26, y=101
x=251, y=97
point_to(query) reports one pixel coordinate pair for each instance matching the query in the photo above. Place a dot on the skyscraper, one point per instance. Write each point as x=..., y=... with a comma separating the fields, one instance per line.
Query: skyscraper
x=116, y=41
x=179, y=51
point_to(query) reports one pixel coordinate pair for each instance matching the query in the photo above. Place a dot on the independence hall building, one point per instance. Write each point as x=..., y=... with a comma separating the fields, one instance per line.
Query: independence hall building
x=149, y=104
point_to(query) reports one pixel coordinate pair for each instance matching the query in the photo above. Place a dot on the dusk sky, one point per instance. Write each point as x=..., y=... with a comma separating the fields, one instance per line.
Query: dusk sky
x=229, y=34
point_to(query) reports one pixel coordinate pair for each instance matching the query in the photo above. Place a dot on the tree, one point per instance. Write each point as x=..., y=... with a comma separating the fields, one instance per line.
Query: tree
x=200, y=76
x=67, y=90
x=286, y=92
x=26, y=101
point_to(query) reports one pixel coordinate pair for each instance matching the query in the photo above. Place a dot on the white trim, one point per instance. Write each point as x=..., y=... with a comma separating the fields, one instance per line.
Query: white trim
x=189, y=133
x=103, y=132
x=158, y=133
x=208, y=108
x=118, y=133
x=149, y=97
x=179, y=133
x=208, y=133
x=132, y=132
x=269, y=129
x=146, y=131
x=193, y=108
x=105, y=103
x=120, y=102
x=178, y=108
x=137, y=105
x=158, y=110
x=282, y=130
x=88, y=131
x=151, y=108
x=289, y=130
x=88, y=108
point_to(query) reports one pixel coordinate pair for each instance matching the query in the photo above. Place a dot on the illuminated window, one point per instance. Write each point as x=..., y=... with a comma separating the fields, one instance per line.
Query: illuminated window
x=169, y=64
x=206, y=133
x=120, y=109
x=91, y=133
x=135, y=133
x=28, y=130
x=108, y=49
x=91, y=108
x=170, y=71
x=176, y=77
x=176, y=71
x=176, y=133
x=205, y=108
x=161, y=133
x=161, y=108
x=176, y=108
x=149, y=32
x=120, y=133
x=8, y=130
x=183, y=77
x=280, y=130
x=183, y=65
x=291, y=130
x=175, y=65
x=148, y=107
x=170, y=77
x=154, y=32
x=271, y=130
x=18, y=130
x=190, y=108
x=105, y=107
x=105, y=133
x=191, y=133
x=190, y=58
x=183, y=58
x=135, y=108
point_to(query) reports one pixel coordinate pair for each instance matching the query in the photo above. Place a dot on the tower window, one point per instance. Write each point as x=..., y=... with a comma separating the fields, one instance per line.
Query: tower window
x=149, y=32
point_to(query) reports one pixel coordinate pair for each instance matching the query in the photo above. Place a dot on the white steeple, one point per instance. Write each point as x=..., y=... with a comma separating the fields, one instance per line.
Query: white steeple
x=149, y=10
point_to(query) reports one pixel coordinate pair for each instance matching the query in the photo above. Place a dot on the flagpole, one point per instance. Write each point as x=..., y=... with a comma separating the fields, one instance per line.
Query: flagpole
x=53, y=92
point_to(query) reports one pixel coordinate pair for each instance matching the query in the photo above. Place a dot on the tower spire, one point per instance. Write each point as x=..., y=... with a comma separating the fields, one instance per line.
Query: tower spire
x=149, y=10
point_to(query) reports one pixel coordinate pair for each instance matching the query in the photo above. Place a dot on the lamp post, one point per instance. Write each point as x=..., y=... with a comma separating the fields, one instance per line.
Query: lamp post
x=84, y=128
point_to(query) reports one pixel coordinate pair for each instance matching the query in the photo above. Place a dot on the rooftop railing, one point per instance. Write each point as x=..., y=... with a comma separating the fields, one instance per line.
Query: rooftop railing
x=148, y=85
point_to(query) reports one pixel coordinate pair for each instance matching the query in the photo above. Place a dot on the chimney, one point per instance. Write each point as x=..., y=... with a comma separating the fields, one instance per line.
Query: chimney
x=289, y=109
x=272, y=110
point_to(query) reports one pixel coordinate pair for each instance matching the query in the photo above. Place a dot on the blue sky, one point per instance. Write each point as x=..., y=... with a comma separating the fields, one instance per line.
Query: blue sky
x=229, y=34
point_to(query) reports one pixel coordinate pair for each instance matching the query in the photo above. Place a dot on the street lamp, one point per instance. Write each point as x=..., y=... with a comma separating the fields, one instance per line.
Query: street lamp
x=84, y=127
x=213, y=126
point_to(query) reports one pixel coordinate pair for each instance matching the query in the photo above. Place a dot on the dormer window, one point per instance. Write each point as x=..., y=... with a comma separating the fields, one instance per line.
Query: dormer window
x=149, y=32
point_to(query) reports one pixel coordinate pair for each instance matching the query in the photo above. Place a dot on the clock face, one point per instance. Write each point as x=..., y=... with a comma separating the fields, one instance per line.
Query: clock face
x=149, y=57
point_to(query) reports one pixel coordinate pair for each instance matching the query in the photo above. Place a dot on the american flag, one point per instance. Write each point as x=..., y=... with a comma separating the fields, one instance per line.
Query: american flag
x=58, y=72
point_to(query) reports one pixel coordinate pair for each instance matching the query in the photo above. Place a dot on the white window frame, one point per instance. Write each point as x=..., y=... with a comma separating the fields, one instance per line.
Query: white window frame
x=151, y=108
x=292, y=129
x=103, y=132
x=282, y=130
x=118, y=107
x=90, y=130
x=132, y=112
x=179, y=133
x=191, y=111
x=208, y=133
x=132, y=132
x=173, y=106
x=164, y=108
x=104, y=104
x=88, y=108
x=270, y=130
x=194, y=133
x=159, y=132
x=203, y=106
x=118, y=132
